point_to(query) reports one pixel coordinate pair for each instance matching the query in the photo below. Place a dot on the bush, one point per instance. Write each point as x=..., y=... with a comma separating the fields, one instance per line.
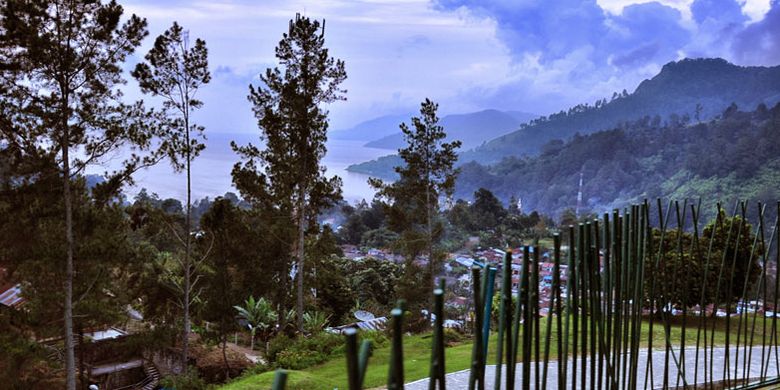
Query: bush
x=378, y=339
x=304, y=352
x=186, y=381
x=294, y=359
x=452, y=337
x=276, y=345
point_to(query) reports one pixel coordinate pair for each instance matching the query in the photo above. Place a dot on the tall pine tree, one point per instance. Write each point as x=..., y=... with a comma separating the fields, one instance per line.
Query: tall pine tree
x=60, y=100
x=175, y=72
x=287, y=174
x=412, y=202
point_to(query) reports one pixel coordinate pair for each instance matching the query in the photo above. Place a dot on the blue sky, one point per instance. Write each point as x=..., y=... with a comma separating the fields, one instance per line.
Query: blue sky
x=529, y=55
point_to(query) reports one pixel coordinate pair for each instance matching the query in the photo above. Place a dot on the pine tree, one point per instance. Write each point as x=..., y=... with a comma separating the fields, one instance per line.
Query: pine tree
x=60, y=101
x=412, y=202
x=287, y=174
x=175, y=72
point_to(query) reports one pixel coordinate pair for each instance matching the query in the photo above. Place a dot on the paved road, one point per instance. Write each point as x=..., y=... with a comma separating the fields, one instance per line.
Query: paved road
x=459, y=379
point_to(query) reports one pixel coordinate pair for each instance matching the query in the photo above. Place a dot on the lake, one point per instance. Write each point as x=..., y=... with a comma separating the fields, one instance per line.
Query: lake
x=211, y=170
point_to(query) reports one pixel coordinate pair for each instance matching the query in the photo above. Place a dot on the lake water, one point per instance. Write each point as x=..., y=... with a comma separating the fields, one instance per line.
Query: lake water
x=211, y=170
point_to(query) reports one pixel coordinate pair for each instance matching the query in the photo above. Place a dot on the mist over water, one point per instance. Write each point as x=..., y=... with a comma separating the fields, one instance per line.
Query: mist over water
x=211, y=170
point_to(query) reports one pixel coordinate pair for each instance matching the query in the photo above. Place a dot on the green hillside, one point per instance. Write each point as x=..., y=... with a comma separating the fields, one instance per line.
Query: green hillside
x=736, y=155
x=712, y=84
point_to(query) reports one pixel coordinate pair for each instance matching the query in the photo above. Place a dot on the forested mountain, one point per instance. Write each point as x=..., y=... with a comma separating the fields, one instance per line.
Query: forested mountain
x=710, y=84
x=471, y=129
x=690, y=89
x=736, y=155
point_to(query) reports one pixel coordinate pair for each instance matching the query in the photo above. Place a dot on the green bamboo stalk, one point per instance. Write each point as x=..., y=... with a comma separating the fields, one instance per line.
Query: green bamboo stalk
x=592, y=305
x=627, y=223
x=729, y=296
x=525, y=297
x=536, y=313
x=607, y=303
x=395, y=378
x=280, y=380
x=599, y=293
x=583, y=299
x=477, y=375
x=437, y=370
x=717, y=294
x=513, y=352
x=353, y=375
x=570, y=275
x=504, y=320
x=554, y=306
x=487, y=293
x=743, y=300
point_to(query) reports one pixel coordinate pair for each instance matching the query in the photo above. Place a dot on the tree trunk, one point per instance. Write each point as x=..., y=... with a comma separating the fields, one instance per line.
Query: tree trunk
x=429, y=222
x=224, y=353
x=252, y=341
x=301, y=253
x=70, y=357
x=187, y=248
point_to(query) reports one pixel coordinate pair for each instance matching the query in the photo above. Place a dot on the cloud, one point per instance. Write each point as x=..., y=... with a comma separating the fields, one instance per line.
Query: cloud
x=723, y=12
x=759, y=43
x=568, y=51
x=532, y=55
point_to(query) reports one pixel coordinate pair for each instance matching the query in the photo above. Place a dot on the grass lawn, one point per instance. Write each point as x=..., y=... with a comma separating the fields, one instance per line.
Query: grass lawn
x=417, y=352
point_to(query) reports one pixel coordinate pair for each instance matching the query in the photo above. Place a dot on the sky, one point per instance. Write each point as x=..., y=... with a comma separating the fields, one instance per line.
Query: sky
x=537, y=56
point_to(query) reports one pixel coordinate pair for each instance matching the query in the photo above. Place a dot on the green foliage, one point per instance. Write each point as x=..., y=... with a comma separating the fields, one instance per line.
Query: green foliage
x=453, y=337
x=277, y=344
x=286, y=174
x=734, y=156
x=62, y=112
x=732, y=252
x=378, y=238
x=360, y=220
x=308, y=351
x=175, y=72
x=334, y=295
x=373, y=281
x=186, y=381
x=412, y=202
x=32, y=247
x=259, y=314
x=315, y=322
x=683, y=89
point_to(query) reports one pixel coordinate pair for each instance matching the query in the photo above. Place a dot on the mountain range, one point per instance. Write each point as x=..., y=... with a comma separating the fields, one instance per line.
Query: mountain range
x=710, y=84
x=685, y=90
x=472, y=129
x=735, y=156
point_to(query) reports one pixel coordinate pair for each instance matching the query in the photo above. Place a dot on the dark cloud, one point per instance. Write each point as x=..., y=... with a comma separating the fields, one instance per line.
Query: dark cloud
x=644, y=33
x=724, y=12
x=569, y=49
x=554, y=29
x=759, y=43
x=638, y=56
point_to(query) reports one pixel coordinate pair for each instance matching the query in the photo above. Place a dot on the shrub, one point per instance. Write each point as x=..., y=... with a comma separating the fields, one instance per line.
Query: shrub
x=304, y=352
x=276, y=345
x=378, y=339
x=294, y=359
x=186, y=381
x=452, y=337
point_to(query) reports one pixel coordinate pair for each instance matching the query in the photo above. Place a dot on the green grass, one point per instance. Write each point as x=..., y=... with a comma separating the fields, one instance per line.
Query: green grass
x=417, y=357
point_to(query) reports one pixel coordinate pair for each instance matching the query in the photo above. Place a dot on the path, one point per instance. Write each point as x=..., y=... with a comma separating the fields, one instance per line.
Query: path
x=459, y=379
